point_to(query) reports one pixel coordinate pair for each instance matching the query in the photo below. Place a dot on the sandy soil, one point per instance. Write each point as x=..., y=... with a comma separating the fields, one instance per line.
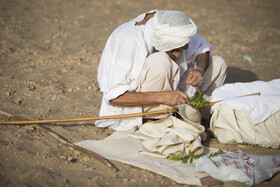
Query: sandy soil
x=49, y=54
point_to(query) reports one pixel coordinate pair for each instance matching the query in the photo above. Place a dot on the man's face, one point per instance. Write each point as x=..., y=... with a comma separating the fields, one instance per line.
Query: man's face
x=175, y=53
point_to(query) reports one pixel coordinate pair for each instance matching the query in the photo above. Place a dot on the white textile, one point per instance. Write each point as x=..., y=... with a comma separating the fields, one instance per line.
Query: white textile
x=121, y=64
x=260, y=107
x=240, y=166
x=236, y=126
x=120, y=147
x=171, y=135
x=172, y=29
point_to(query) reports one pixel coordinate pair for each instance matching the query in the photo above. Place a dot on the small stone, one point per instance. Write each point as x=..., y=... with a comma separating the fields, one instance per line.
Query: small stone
x=30, y=70
x=63, y=157
x=70, y=90
x=76, y=153
x=88, y=169
x=53, y=98
x=64, y=70
x=29, y=127
x=86, y=158
x=18, y=101
x=89, y=87
x=69, y=158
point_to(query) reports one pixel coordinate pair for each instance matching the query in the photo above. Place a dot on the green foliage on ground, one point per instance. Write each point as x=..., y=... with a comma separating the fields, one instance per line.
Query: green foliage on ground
x=191, y=156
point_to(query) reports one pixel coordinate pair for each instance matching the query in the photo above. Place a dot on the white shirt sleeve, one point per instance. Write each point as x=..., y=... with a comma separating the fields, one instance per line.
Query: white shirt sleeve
x=120, y=66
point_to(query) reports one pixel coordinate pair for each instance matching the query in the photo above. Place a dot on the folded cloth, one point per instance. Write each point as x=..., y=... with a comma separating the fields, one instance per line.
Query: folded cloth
x=171, y=135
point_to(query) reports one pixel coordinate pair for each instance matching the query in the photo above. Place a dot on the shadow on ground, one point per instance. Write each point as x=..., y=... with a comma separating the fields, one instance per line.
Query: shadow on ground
x=235, y=74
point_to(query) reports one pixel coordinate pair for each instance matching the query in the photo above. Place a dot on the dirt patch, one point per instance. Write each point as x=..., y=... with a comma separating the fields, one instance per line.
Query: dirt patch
x=49, y=54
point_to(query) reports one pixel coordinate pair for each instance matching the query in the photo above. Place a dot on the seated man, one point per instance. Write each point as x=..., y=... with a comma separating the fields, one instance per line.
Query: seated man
x=178, y=61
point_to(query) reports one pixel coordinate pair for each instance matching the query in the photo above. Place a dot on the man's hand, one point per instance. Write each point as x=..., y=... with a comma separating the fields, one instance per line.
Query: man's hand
x=194, y=78
x=174, y=98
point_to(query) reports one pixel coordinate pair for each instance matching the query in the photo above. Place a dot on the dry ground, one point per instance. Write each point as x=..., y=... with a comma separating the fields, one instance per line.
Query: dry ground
x=49, y=54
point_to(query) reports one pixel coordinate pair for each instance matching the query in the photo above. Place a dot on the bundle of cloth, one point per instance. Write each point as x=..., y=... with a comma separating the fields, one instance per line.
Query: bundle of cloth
x=171, y=135
x=251, y=120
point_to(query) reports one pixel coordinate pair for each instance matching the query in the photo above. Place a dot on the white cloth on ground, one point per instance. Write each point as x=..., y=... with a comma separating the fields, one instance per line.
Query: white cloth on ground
x=236, y=126
x=121, y=148
x=240, y=166
x=171, y=135
x=260, y=107
x=121, y=64
x=251, y=120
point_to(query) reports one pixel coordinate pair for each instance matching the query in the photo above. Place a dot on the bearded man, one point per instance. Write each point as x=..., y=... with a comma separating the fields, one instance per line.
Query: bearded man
x=154, y=61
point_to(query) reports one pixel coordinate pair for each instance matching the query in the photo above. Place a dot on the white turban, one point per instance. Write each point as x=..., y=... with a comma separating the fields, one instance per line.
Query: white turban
x=171, y=30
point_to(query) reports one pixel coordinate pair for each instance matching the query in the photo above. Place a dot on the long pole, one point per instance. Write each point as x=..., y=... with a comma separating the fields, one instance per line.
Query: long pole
x=164, y=111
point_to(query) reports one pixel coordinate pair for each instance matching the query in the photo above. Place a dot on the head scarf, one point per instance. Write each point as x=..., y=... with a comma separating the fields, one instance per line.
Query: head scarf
x=171, y=30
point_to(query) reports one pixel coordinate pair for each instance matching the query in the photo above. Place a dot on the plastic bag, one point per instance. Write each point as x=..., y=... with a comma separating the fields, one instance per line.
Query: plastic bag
x=240, y=166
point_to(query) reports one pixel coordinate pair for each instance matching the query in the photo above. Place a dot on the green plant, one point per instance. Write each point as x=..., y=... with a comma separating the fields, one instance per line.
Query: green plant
x=184, y=158
x=197, y=101
x=191, y=156
x=217, y=153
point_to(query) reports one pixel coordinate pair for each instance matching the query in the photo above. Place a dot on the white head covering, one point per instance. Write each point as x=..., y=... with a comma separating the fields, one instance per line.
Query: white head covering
x=171, y=30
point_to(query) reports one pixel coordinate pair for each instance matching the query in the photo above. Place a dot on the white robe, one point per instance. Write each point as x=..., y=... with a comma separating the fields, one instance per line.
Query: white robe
x=121, y=64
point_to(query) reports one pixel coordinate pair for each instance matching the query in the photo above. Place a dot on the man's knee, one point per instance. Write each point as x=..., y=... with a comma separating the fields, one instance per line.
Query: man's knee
x=159, y=63
x=219, y=63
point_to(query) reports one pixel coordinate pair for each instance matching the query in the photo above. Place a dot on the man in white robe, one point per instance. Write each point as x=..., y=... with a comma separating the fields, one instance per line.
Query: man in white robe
x=131, y=82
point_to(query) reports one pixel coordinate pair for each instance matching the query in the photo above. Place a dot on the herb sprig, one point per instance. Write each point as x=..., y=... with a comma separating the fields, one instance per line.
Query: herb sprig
x=191, y=156
x=197, y=101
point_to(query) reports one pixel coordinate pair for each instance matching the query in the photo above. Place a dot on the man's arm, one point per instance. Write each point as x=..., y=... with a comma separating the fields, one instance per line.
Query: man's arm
x=195, y=76
x=171, y=98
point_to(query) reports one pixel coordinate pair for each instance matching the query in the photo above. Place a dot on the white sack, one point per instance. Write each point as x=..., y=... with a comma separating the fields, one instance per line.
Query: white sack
x=251, y=119
x=260, y=107
x=236, y=126
x=249, y=169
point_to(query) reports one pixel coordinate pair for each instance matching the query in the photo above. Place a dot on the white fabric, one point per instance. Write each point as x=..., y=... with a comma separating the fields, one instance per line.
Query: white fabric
x=171, y=135
x=260, y=107
x=120, y=147
x=121, y=64
x=240, y=166
x=171, y=30
x=236, y=126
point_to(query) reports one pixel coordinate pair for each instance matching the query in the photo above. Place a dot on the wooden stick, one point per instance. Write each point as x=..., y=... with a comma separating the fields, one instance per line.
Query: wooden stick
x=258, y=93
x=165, y=111
x=64, y=141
